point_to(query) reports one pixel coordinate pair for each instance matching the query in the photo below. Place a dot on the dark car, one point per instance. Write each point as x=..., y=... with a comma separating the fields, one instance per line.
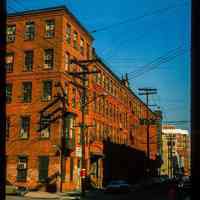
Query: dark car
x=185, y=186
x=117, y=186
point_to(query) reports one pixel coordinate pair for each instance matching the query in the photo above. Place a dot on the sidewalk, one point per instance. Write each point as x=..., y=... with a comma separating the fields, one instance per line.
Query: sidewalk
x=42, y=195
x=64, y=195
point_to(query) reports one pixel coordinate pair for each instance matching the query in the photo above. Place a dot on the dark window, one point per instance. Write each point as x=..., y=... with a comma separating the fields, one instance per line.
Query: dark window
x=75, y=40
x=68, y=33
x=49, y=28
x=22, y=168
x=8, y=93
x=48, y=58
x=88, y=51
x=29, y=31
x=9, y=62
x=28, y=64
x=26, y=92
x=7, y=127
x=45, y=127
x=47, y=90
x=43, y=168
x=73, y=98
x=82, y=46
x=11, y=32
x=24, y=127
x=71, y=168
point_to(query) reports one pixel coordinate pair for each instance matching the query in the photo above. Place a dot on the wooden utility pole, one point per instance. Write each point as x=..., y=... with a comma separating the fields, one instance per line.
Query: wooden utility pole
x=147, y=92
x=83, y=76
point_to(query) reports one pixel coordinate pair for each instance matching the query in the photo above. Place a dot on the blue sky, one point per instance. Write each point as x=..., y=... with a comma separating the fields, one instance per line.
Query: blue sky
x=129, y=46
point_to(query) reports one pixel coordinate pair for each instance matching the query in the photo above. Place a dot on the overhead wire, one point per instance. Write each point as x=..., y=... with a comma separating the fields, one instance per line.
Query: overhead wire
x=155, y=12
x=150, y=67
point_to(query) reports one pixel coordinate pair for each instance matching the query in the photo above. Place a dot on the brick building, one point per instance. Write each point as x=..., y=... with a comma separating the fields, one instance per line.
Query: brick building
x=179, y=160
x=40, y=44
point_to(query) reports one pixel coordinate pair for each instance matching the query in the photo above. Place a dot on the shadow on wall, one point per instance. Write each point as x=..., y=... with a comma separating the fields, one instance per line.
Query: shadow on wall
x=122, y=162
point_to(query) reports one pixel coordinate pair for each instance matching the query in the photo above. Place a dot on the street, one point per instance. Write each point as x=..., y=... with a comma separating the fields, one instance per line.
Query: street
x=156, y=193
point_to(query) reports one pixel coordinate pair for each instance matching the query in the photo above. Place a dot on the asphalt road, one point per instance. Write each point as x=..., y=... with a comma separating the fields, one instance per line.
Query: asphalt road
x=156, y=193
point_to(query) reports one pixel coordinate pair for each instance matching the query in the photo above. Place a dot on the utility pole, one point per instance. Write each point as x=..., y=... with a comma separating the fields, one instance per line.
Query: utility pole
x=147, y=92
x=83, y=76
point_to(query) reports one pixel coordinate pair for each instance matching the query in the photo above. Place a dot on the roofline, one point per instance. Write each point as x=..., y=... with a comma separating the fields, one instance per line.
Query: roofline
x=56, y=8
x=120, y=81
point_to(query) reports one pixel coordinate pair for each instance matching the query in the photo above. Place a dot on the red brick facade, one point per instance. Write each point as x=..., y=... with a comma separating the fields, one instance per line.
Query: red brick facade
x=115, y=116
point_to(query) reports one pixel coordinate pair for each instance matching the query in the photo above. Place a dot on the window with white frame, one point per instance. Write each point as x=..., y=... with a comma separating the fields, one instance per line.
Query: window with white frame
x=11, y=33
x=49, y=28
x=48, y=58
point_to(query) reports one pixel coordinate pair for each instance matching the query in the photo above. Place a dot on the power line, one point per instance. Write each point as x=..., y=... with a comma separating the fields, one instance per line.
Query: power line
x=158, y=64
x=155, y=12
x=159, y=59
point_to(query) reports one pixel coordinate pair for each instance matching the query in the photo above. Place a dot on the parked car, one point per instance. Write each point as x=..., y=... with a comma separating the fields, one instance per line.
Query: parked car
x=185, y=185
x=117, y=186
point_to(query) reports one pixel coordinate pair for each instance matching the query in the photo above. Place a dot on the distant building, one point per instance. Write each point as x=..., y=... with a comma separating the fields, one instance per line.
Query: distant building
x=176, y=151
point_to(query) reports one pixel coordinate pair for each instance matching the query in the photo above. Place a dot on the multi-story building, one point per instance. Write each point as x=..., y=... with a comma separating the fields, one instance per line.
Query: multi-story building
x=176, y=151
x=40, y=45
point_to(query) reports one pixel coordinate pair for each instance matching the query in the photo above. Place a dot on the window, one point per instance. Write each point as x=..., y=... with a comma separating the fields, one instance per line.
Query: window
x=43, y=168
x=73, y=98
x=48, y=58
x=29, y=30
x=8, y=93
x=49, y=28
x=7, y=127
x=82, y=46
x=28, y=64
x=9, y=62
x=68, y=33
x=67, y=60
x=45, y=127
x=88, y=51
x=75, y=40
x=47, y=90
x=26, y=92
x=22, y=168
x=11, y=31
x=24, y=127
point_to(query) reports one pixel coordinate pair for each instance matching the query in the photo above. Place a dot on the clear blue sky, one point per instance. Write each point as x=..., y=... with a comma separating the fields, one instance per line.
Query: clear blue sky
x=128, y=47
